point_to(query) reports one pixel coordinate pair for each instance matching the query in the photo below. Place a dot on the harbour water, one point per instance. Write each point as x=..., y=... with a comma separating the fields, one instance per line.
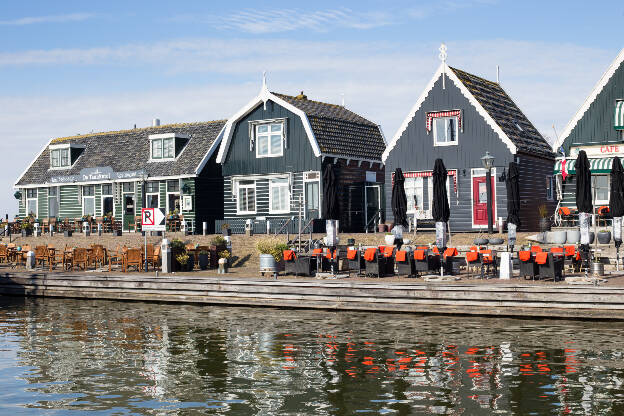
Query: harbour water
x=63, y=356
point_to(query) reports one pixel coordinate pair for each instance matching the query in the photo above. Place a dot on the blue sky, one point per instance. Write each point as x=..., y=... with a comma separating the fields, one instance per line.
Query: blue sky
x=75, y=67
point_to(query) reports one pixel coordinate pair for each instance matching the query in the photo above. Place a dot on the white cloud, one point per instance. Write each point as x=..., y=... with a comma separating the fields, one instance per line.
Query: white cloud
x=63, y=18
x=381, y=81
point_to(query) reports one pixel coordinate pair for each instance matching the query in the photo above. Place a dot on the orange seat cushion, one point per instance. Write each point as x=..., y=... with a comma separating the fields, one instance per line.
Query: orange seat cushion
x=536, y=249
x=351, y=253
x=524, y=255
x=423, y=248
x=570, y=250
x=556, y=250
x=486, y=256
x=329, y=255
x=317, y=251
x=369, y=254
x=419, y=254
x=401, y=255
x=388, y=251
x=450, y=252
x=435, y=250
x=541, y=258
x=564, y=211
x=472, y=256
x=603, y=210
x=289, y=255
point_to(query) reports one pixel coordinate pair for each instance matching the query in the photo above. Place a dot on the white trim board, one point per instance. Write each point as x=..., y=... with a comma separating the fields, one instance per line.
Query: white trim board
x=442, y=70
x=590, y=99
x=479, y=173
x=264, y=96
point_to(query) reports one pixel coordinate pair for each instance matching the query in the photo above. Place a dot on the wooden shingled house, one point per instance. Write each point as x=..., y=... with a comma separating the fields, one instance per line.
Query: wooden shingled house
x=115, y=174
x=273, y=155
x=458, y=118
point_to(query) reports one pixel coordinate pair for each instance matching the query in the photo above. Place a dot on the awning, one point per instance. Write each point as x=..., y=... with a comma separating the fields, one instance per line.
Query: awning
x=618, y=122
x=598, y=165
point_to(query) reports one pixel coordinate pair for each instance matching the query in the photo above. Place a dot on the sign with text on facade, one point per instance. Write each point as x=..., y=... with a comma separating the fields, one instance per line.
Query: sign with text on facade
x=599, y=150
x=105, y=173
x=152, y=219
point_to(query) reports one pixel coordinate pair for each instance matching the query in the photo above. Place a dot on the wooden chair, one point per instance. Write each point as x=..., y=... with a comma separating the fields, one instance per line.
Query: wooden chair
x=68, y=258
x=132, y=258
x=567, y=215
x=98, y=255
x=115, y=257
x=156, y=257
x=81, y=259
x=41, y=255
x=149, y=256
x=45, y=226
x=4, y=254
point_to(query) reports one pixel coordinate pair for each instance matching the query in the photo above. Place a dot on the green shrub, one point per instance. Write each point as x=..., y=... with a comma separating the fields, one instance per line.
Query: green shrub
x=218, y=241
x=273, y=247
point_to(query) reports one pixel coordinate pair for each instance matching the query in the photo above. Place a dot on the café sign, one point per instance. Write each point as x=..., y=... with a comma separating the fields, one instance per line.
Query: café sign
x=105, y=173
x=599, y=150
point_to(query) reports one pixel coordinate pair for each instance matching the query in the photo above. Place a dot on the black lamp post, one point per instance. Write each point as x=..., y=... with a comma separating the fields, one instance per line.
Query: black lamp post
x=488, y=162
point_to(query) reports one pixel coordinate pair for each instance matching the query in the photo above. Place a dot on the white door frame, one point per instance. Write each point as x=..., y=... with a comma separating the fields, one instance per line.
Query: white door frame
x=479, y=173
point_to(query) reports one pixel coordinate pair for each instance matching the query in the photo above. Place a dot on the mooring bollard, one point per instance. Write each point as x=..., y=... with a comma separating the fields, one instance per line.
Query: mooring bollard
x=166, y=256
x=506, y=266
x=30, y=260
x=205, y=227
x=99, y=229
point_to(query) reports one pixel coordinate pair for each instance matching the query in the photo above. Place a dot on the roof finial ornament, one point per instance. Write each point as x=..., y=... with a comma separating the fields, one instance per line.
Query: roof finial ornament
x=264, y=90
x=442, y=57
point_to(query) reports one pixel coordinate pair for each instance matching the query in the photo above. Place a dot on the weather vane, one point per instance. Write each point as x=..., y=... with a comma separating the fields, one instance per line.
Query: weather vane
x=442, y=57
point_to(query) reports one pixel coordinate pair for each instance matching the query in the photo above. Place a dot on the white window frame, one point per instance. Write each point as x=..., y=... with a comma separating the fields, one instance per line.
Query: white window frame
x=273, y=186
x=320, y=193
x=84, y=198
x=61, y=151
x=435, y=131
x=550, y=188
x=36, y=199
x=477, y=173
x=148, y=193
x=238, y=187
x=422, y=213
x=161, y=138
x=268, y=135
x=601, y=201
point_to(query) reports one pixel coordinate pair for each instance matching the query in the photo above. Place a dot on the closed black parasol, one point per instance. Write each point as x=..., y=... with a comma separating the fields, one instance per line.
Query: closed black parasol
x=616, y=199
x=583, y=183
x=441, y=211
x=399, y=199
x=330, y=193
x=513, y=194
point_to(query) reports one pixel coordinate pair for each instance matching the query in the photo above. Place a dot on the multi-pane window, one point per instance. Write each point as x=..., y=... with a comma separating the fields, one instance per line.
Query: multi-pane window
x=107, y=189
x=88, y=200
x=173, y=186
x=59, y=158
x=279, y=200
x=163, y=148
x=444, y=131
x=152, y=194
x=601, y=188
x=246, y=197
x=151, y=187
x=52, y=191
x=414, y=193
x=128, y=186
x=269, y=138
x=31, y=193
x=88, y=190
x=550, y=187
x=31, y=202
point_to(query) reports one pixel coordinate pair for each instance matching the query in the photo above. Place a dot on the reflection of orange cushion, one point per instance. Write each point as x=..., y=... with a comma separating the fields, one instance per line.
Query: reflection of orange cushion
x=524, y=255
x=388, y=251
x=570, y=250
x=351, y=253
x=556, y=250
x=472, y=256
x=541, y=258
x=401, y=255
x=289, y=255
x=536, y=249
x=419, y=254
x=450, y=252
x=317, y=251
x=369, y=254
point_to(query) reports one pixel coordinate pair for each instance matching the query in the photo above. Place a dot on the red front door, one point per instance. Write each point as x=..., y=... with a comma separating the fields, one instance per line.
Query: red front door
x=479, y=201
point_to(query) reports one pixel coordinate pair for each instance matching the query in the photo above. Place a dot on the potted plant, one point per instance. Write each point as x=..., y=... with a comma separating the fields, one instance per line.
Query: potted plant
x=203, y=259
x=604, y=236
x=224, y=260
x=544, y=222
x=183, y=261
x=389, y=239
x=271, y=255
x=382, y=228
x=177, y=249
x=226, y=230
x=27, y=228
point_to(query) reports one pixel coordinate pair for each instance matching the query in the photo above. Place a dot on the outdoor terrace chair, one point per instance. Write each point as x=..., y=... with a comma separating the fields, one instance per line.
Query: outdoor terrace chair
x=132, y=258
x=290, y=262
x=116, y=258
x=451, y=260
x=305, y=265
x=405, y=263
x=80, y=259
x=388, y=254
x=375, y=262
x=321, y=259
x=489, y=264
x=567, y=215
x=149, y=256
x=355, y=261
x=41, y=255
x=550, y=265
x=528, y=267
x=572, y=259
x=604, y=214
x=426, y=261
x=4, y=254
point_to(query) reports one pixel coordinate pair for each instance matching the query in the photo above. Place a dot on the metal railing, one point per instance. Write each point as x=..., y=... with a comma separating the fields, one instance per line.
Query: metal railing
x=372, y=220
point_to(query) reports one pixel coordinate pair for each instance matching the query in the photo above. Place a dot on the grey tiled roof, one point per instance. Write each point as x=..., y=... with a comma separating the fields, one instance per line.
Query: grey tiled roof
x=128, y=150
x=506, y=114
x=339, y=131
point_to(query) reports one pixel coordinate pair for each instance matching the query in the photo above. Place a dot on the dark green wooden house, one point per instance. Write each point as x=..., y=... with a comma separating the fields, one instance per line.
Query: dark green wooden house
x=598, y=128
x=171, y=167
x=273, y=155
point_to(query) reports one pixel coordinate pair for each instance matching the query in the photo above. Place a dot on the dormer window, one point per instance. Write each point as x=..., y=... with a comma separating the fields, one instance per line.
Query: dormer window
x=270, y=140
x=166, y=146
x=63, y=156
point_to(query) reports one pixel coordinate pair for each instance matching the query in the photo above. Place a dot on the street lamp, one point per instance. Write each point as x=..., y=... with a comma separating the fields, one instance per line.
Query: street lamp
x=488, y=162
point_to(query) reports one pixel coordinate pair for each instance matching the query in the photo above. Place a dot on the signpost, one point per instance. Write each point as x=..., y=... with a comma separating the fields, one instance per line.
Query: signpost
x=152, y=219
